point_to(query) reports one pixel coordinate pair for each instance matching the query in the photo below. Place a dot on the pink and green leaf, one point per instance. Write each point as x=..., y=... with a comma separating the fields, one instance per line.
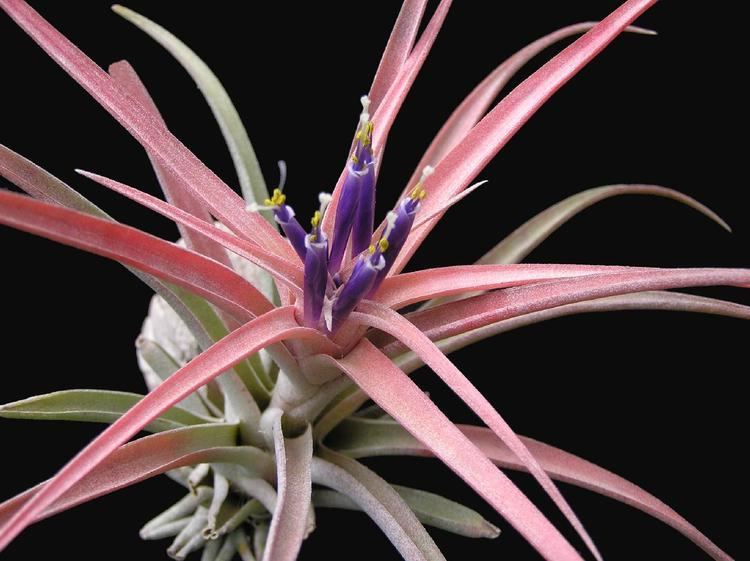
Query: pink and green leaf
x=360, y=438
x=394, y=391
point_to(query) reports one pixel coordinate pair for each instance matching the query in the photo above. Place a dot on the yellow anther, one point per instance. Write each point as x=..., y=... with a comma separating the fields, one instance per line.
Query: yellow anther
x=316, y=219
x=371, y=249
x=277, y=199
x=355, y=159
x=418, y=193
x=383, y=244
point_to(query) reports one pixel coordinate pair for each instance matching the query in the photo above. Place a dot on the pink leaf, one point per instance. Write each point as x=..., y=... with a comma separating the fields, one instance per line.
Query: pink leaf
x=275, y=326
x=289, y=522
x=466, y=160
x=214, y=282
x=663, y=301
x=284, y=270
x=404, y=401
x=140, y=460
x=385, y=319
x=397, y=50
x=408, y=288
x=465, y=315
x=476, y=104
x=176, y=192
x=563, y=466
x=224, y=203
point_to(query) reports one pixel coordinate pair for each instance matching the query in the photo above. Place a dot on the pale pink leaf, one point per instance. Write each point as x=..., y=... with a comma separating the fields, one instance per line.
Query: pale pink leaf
x=214, y=282
x=286, y=271
x=359, y=438
x=397, y=50
x=289, y=522
x=385, y=319
x=225, y=204
x=457, y=169
x=465, y=315
x=394, y=391
x=275, y=326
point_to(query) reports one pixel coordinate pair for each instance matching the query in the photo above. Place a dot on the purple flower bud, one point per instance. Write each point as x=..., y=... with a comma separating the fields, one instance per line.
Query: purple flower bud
x=284, y=215
x=364, y=215
x=316, y=277
x=351, y=293
x=345, y=210
x=403, y=222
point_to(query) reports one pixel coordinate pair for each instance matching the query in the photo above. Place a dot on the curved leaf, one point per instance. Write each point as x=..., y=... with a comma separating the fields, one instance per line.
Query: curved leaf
x=214, y=282
x=461, y=165
x=381, y=503
x=385, y=319
x=97, y=406
x=134, y=462
x=289, y=523
x=270, y=328
x=531, y=233
x=394, y=391
x=359, y=438
x=431, y=509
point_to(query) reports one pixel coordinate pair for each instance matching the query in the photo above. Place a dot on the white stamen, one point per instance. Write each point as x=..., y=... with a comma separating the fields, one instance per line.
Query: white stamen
x=427, y=171
x=282, y=174
x=324, y=199
x=328, y=313
x=390, y=219
x=364, y=117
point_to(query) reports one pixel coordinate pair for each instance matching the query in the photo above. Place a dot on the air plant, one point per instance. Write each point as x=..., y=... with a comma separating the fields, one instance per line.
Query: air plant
x=267, y=337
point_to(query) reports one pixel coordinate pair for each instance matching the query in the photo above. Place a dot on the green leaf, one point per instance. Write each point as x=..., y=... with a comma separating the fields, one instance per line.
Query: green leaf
x=533, y=232
x=431, y=509
x=98, y=406
x=245, y=162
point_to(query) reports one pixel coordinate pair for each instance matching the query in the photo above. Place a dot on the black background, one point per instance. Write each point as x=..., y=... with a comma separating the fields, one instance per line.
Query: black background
x=656, y=397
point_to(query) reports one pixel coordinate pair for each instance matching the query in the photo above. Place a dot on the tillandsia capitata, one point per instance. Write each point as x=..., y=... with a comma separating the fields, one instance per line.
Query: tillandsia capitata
x=268, y=336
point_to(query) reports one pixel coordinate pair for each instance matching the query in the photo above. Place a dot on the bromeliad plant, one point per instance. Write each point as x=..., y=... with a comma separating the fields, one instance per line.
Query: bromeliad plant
x=261, y=351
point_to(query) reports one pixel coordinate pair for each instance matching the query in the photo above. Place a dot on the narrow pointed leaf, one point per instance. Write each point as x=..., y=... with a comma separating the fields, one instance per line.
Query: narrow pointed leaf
x=225, y=204
x=218, y=284
x=404, y=401
x=97, y=406
x=381, y=503
x=476, y=104
x=175, y=192
x=360, y=438
x=282, y=269
x=662, y=301
x=407, y=288
x=134, y=462
x=397, y=50
x=462, y=164
x=245, y=161
x=530, y=234
x=270, y=328
x=479, y=311
x=431, y=510
x=289, y=522
x=385, y=319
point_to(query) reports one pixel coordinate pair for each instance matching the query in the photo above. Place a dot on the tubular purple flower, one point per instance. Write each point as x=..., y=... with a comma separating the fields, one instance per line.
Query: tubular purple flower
x=353, y=290
x=284, y=216
x=364, y=216
x=316, y=277
x=360, y=180
x=397, y=231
